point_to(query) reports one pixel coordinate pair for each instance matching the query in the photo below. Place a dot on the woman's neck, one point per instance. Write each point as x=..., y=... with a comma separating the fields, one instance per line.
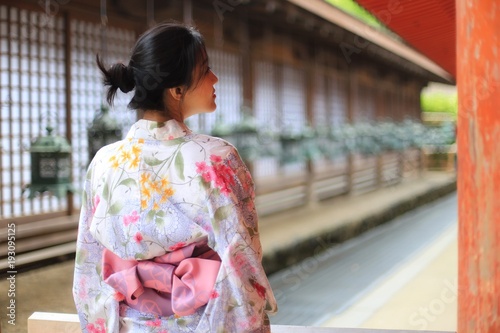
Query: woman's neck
x=155, y=116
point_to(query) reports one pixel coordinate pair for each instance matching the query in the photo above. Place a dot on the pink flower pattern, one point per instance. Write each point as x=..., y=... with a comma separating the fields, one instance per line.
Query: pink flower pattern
x=153, y=323
x=82, y=290
x=132, y=218
x=214, y=294
x=212, y=197
x=97, y=200
x=138, y=237
x=98, y=327
x=240, y=264
x=261, y=291
x=177, y=246
x=221, y=175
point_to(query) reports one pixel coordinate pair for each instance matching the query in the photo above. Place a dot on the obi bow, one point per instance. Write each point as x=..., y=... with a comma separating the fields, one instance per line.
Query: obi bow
x=178, y=282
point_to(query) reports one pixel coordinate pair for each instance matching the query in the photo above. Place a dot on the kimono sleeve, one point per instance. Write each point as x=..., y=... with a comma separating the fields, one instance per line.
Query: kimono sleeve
x=95, y=302
x=242, y=296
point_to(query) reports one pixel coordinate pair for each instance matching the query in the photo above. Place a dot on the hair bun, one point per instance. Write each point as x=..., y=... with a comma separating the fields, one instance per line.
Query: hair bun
x=122, y=76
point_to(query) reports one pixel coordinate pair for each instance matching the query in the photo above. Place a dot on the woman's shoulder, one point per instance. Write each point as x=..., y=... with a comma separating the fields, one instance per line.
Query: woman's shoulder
x=214, y=145
x=209, y=139
x=106, y=152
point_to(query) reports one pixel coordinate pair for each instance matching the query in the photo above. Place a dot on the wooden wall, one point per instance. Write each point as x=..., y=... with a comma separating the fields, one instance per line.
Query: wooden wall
x=289, y=76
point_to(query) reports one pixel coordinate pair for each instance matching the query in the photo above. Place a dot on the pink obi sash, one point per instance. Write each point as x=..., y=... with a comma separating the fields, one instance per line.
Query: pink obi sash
x=177, y=282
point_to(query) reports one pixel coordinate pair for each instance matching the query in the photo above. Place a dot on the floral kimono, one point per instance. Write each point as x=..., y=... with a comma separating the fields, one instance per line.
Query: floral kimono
x=168, y=238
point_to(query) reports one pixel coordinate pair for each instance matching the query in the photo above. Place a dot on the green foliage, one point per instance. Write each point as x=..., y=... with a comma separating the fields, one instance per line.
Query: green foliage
x=351, y=7
x=439, y=102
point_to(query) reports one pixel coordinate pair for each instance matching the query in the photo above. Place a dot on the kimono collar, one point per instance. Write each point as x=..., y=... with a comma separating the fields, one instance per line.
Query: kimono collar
x=153, y=130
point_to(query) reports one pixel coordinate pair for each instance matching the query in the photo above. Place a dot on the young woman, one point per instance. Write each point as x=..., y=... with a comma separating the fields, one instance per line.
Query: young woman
x=168, y=238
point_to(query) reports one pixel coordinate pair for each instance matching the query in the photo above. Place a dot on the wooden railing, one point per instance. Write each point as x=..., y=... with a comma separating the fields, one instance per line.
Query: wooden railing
x=40, y=240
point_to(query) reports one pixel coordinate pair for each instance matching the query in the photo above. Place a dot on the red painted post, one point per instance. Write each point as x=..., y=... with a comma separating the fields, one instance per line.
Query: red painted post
x=478, y=77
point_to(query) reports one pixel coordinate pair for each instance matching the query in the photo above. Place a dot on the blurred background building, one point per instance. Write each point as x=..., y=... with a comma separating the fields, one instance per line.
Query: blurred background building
x=315, y=108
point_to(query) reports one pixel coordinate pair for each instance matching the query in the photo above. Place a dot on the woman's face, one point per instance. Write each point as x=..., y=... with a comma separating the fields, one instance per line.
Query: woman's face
x=200, y=98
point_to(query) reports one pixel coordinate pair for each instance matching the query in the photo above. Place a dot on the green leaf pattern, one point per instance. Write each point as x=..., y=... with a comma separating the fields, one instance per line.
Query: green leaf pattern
x=160, y=187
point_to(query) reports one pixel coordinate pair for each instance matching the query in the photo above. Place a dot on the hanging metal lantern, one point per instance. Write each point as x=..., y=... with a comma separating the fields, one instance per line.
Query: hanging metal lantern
x=268, y=143
x=323, y=142
x=349, y=138
x=103, y=130
x=246, y=137
x=310, y=144
x=337, y=143
x=50, y=165
x=291, y=148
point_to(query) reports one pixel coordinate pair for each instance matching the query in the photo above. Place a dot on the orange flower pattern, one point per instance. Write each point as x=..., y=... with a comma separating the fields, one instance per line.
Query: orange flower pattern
x=160, y=189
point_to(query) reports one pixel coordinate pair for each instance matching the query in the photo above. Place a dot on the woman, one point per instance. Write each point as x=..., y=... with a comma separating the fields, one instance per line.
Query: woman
x=168, y=238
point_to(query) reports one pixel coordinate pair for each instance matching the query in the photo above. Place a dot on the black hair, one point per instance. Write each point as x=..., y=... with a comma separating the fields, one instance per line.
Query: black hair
x=163, y=57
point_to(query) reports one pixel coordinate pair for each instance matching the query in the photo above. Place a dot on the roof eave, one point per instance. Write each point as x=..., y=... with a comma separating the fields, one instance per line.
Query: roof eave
x=338, y=17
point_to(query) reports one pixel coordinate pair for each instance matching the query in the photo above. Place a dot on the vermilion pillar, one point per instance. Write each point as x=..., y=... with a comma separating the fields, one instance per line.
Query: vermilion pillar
x=478, y=77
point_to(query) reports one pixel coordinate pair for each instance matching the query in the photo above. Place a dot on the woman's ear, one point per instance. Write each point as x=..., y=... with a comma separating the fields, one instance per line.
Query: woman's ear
x=176, y=92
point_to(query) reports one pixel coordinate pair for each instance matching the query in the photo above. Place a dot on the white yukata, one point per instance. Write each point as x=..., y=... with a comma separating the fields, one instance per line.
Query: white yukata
x=164, y=189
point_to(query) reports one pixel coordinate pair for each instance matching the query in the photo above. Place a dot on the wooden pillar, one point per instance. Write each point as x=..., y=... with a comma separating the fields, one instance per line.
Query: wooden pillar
x=421, y=156
x=68, y=91
x=401, y=164
x=247, y=63
x=352, y=86
x=247, y=73
x=311, y=198
x=379, y=109
x=478, y=77
x=400, y=116
x=379, y=169
x=187, y=11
